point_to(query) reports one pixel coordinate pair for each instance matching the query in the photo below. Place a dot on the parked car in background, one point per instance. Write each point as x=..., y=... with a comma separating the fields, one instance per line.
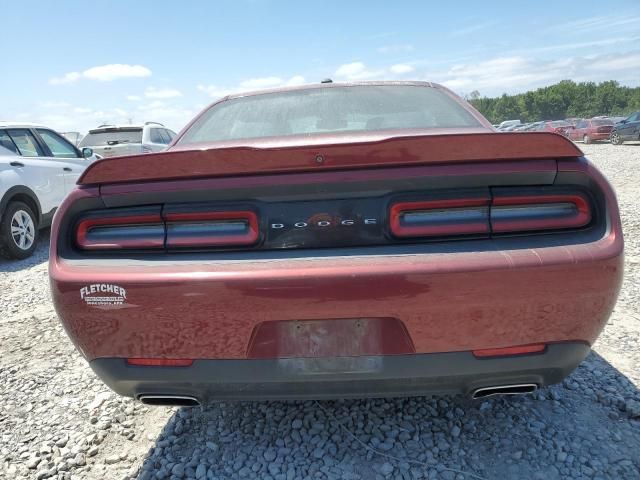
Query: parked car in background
x=338, y=240
x=553, y=126
x=615, y=119
x=38, y=167
x=121, y=140
x=626, y=130
x=591, y=130
x=508, y=123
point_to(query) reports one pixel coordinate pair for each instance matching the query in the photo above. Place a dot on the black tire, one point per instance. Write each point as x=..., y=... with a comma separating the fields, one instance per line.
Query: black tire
x=615, y=139
x=586, y=139
x=9, y=245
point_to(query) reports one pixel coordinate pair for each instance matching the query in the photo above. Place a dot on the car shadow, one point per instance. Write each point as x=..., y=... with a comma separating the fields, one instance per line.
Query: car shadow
x=40, y=254
x=584, y=427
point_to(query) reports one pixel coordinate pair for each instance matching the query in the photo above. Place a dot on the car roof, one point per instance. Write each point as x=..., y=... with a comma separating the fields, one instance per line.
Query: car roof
x=312, y=86
x=112, y=126
x=8, y=124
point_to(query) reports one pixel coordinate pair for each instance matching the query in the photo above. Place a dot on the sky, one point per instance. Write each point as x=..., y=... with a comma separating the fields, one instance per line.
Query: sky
x=74, y=65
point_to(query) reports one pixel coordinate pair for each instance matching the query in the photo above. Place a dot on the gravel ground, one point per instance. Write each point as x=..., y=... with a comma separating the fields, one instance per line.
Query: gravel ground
x=58, y=421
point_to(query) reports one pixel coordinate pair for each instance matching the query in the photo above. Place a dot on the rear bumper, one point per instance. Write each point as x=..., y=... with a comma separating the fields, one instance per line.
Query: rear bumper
x=600, y=136
x=344, y=377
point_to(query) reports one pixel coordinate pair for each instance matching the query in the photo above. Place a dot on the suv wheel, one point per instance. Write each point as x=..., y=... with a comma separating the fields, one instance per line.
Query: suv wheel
x=615, y=138
x=18, y=231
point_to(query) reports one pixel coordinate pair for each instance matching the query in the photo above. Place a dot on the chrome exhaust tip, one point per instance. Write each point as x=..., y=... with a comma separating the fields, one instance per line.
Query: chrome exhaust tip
x=516, y=389
x=169, y=400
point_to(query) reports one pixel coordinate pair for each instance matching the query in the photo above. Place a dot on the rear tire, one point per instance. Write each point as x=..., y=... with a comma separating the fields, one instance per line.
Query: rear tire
x=586, y=139
x=615, y=139
x=18, y=231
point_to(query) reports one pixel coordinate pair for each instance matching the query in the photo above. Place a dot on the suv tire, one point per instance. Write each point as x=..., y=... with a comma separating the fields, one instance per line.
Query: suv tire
x=18, y=231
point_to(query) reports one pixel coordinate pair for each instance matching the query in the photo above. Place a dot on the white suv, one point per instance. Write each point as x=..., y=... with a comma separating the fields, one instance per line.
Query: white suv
x=121, y=140
x=38, y=167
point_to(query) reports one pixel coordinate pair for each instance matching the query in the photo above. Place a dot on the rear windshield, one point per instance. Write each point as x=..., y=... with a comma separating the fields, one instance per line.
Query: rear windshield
x=599, y=123
x=329, y=110
x=113, y=136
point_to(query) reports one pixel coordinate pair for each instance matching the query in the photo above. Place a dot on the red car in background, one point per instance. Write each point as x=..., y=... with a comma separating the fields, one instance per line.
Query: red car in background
x=338, y=240
x=553, y=126
x=591, y=130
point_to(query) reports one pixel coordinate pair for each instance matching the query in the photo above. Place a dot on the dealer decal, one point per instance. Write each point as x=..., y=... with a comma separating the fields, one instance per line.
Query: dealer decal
x=103, y=294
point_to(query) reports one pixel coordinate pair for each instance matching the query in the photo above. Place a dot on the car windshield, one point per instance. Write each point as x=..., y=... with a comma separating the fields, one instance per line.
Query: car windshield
x=329, y=110
x=112, y=136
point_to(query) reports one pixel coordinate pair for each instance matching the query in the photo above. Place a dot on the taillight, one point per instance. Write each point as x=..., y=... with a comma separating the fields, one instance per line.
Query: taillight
x=440, y=217
x=518, y=213
x=127, y=231
x=147, y=228
x=506, y=210
x=212, y=229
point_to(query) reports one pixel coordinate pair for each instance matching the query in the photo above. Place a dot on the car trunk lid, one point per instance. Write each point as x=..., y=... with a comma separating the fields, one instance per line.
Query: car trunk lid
x=328, y=153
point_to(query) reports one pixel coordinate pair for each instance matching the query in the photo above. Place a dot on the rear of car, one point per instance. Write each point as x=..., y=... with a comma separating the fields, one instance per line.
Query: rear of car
x=591, y=130
x=117, y=141
x=338, y=241
x=561, y=127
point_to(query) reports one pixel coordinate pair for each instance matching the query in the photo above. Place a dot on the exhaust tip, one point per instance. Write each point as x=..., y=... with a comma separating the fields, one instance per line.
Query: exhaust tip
x=169, y=400
x=518, y=389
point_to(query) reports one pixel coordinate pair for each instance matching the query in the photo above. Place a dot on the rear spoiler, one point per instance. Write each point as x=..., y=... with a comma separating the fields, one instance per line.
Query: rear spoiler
x=387, y=152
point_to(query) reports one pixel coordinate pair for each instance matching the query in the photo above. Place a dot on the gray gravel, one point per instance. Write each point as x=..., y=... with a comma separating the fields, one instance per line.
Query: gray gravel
x=58, y=421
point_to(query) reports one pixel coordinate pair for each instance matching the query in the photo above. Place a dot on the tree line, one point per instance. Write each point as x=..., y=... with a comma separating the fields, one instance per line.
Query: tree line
x=566, y=99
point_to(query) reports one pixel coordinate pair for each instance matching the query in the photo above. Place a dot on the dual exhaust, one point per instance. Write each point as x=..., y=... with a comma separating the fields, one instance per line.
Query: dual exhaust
x=515, y=389
x=479, y=393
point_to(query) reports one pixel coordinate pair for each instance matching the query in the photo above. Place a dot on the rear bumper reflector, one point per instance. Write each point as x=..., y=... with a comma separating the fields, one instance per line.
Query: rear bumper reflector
x=159, y=362
x=510, y=351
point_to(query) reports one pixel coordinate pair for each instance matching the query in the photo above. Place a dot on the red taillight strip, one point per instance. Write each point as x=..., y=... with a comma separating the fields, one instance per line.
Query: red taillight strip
x=84, y=226
x=579, y=218
x=159, y=362
x=436, y=217
x=208, y=238
x=510, y=351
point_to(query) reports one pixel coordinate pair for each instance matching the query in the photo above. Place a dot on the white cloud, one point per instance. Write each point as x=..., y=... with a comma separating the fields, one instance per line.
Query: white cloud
x=134, y=98
x=114, y=71
x=472, y=29
x=103, y=73
x=54, y=104
x=216, y=91
x=263, y=82
x=397, y=48
x=516, y=74
x=296, y=80
x=401, y=68
x=601, y=22
x=66, y=78
x=152, y=92
x=357, y=71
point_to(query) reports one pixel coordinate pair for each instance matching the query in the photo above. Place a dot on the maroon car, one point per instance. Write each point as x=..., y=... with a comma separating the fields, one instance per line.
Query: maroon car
x=338, y=240
x=591, y=130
